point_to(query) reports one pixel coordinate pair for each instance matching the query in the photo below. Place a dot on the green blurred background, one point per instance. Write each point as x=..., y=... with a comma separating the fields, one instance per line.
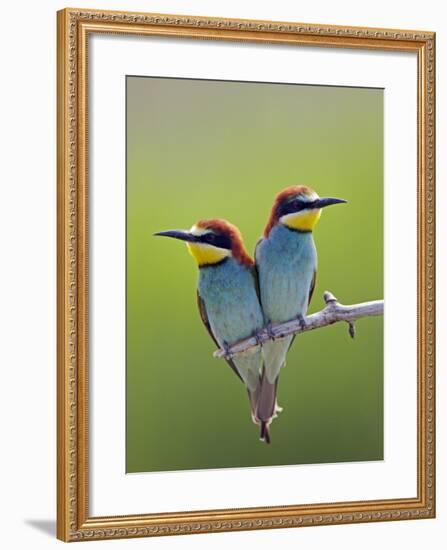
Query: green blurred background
x=202, y=149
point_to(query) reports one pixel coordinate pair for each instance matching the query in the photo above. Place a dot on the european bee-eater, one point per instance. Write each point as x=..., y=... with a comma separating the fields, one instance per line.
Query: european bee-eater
x=286, y=262
x=227, y=294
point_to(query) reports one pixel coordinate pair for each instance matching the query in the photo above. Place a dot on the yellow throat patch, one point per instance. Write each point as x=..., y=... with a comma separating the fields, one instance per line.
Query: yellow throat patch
x=206, y=254
x=305, y=220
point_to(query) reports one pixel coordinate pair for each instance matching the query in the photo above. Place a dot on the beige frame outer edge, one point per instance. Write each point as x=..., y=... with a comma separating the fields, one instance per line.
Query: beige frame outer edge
x=73, y=519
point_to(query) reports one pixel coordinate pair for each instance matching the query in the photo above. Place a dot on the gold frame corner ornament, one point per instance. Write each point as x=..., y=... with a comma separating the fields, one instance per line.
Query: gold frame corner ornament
x=73, y=519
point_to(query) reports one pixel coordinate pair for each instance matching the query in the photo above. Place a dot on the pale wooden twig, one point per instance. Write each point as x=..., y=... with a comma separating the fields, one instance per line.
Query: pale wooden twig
x=333, y=312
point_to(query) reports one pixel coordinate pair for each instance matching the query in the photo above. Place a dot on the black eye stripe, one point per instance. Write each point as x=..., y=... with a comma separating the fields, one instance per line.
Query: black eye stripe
x=294, y=206
x=221, y=241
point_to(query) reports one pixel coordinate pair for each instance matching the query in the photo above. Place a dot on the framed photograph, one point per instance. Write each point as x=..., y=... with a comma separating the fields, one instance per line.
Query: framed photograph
x=246, y=295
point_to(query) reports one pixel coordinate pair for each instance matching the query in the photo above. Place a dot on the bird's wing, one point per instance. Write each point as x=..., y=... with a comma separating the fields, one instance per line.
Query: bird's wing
x=204, y=317
x=257, y=244
x=256, y=272
x=311, y=292
x=312, y=287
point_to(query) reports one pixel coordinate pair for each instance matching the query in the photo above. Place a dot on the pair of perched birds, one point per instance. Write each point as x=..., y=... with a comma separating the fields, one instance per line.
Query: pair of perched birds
x=239, y=296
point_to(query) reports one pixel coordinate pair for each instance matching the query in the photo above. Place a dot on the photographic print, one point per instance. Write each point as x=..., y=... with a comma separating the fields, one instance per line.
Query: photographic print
x=230, y=230
x=276, y=192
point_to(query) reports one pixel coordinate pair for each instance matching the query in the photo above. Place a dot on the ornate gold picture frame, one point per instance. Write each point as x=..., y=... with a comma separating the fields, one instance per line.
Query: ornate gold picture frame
x=74, y=521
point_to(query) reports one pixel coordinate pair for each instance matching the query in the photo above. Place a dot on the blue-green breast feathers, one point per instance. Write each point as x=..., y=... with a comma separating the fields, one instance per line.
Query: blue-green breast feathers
x=286, y=261
x=230, y=304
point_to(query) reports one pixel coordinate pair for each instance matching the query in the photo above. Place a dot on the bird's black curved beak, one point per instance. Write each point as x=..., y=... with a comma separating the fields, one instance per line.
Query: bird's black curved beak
x=321, y=203
x=176, y=234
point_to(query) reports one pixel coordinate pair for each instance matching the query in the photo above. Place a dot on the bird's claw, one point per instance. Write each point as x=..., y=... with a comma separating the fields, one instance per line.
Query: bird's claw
x=226, y=352
x=258, y=337
x=301, y=321
x=270, y=332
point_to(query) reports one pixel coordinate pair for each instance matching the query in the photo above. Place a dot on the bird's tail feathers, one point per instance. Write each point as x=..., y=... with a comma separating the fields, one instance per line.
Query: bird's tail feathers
x=253, y=396
x=265, y=432
x=267, y=406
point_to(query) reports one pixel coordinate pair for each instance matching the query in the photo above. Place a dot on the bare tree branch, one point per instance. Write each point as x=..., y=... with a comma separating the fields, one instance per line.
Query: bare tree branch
x=332, y=313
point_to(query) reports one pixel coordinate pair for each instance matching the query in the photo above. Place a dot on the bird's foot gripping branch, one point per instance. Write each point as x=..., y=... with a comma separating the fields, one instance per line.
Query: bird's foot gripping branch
x=332, y=313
